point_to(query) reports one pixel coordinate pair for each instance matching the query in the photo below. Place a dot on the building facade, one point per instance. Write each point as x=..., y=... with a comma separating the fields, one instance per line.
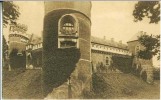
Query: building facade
x=18, y=38
x=139, y=64
x=102, y=51
x=98, y=52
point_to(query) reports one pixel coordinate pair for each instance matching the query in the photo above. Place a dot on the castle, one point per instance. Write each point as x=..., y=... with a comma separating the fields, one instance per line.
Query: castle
x=68, y=52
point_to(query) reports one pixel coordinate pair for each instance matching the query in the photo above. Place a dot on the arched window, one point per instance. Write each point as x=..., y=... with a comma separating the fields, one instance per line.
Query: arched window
x=68, y=34
x=68, y=25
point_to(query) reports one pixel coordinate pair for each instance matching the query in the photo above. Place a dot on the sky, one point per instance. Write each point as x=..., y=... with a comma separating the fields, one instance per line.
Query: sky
x=112, y=19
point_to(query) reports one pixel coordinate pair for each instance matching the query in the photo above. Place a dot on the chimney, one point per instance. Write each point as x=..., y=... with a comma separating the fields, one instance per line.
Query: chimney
x=112, y=39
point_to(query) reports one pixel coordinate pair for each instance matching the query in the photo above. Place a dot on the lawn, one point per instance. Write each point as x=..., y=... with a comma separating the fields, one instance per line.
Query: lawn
x=123, y=86
x=22, y=84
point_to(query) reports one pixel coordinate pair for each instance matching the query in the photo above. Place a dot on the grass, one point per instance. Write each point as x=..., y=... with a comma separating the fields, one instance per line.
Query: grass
x=27, y=84
x=21, y=84
x=123, y=86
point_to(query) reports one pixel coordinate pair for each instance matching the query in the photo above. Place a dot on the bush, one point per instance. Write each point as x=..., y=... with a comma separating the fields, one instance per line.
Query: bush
x=58, y=68
x=144, y=75
x=124, y=64
x=156, y=73
x=17, y=61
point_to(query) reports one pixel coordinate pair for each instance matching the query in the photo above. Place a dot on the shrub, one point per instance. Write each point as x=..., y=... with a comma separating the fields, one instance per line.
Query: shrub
x=17, y=61
x=124, y=64
x=144, y=75
x=156, y=73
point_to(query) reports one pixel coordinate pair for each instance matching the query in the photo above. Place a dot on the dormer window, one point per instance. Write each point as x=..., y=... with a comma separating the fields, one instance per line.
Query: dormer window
x=67, y=32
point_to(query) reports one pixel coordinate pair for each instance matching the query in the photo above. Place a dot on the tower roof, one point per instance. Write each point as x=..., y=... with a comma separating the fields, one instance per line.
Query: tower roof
x=135, y=37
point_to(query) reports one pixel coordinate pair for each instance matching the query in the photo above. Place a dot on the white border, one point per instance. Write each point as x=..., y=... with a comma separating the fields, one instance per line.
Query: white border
x=1, y=49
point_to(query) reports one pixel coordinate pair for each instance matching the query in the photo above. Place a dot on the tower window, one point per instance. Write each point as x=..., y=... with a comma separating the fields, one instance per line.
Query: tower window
x=67, y=35
x=68, y=28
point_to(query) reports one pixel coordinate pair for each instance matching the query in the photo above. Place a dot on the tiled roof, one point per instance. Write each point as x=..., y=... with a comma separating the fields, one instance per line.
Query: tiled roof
x=108, y=42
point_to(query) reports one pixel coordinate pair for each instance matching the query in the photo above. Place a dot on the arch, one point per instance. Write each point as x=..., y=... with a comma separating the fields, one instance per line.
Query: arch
x=68, y=31
x=68, y=20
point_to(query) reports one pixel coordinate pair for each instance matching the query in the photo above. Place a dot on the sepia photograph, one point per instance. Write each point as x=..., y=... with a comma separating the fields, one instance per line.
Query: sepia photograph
x=80, y=50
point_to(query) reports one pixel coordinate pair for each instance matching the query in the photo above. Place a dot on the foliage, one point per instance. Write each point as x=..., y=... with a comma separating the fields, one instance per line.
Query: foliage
x=149, y=9
x=101, y=67
x=5, y=47
x=58, y=68
x=151, y=44
x=122, y=63
x=156, y=73
x=10, y=13
x=136, y=69
x=144, y=75
x=17, y=61
x=36, y=58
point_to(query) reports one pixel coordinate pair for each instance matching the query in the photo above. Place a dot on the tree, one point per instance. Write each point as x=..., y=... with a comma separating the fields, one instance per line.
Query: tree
x=4, y=50
x=5, y=46
x=152, y=44
x=151, y=10
x=10, y=13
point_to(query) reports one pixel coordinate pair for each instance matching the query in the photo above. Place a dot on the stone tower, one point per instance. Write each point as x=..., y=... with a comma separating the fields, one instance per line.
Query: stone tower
x=66, y=43
x=17, y=44
x=138, y=63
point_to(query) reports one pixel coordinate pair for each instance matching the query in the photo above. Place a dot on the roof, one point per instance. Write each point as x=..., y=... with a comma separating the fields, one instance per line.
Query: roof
x=36, y=40
x=108, y=42
x=135, y=37
x=97, y=40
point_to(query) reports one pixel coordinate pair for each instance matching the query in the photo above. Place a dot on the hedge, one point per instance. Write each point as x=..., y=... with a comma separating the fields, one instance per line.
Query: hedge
x=17, y=61
x=124, y=64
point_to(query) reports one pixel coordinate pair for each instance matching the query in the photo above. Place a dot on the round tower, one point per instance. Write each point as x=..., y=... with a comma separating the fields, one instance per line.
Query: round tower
x=66, y=42
x=17, y=45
